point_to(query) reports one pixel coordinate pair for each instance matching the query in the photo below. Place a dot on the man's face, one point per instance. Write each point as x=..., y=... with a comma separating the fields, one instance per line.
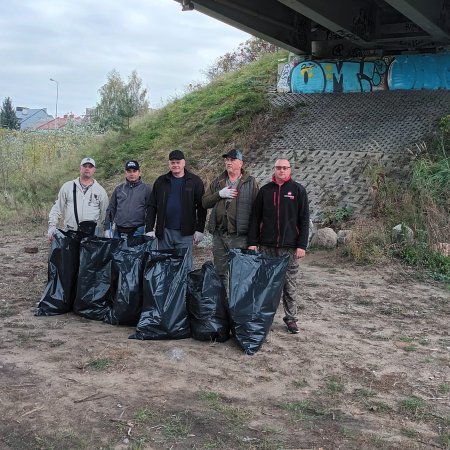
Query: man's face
x=282, y=170
x=176, y=166
x=132, y=175
x=233, y=164
x=87, y=171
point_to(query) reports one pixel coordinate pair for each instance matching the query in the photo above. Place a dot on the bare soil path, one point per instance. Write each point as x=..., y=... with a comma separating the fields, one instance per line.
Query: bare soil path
x=369, y=370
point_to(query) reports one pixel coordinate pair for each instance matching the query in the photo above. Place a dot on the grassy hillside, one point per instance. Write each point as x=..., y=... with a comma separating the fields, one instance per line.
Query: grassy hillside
x=231, y=111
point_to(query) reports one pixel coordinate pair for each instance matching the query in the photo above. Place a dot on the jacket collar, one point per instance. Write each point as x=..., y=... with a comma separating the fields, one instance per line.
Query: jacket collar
x=244, y=175
x=136, y=183
x=187, y=174
x=274, y=180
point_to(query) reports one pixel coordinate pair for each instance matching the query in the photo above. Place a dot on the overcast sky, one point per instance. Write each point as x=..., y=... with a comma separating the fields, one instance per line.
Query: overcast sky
x=79, y=42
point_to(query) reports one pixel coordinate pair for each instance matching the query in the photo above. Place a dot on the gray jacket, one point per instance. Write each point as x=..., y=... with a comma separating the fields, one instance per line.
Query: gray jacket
x=129, y=204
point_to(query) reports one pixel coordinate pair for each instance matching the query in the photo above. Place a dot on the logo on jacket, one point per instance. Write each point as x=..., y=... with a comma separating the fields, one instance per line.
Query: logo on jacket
x=289, y=195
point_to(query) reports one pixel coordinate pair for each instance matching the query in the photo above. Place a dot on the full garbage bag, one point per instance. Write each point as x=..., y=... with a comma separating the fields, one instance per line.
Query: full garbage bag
x=164, y=313
x=128, y=260
x=207, y=305
x=95, y=287
x=63, y=263
x=256, y=283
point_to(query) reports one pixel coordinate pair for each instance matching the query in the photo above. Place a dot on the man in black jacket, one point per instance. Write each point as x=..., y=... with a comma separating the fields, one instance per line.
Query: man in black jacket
x=279, y=225
x=129, y=204
x=176, y=207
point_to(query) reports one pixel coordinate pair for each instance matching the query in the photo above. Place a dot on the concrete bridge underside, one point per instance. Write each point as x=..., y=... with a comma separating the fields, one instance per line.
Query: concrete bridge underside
x=333, y=139
x=313, y=27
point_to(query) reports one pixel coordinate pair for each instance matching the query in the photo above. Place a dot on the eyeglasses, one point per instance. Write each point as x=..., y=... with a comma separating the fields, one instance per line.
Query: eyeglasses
x=282, y=167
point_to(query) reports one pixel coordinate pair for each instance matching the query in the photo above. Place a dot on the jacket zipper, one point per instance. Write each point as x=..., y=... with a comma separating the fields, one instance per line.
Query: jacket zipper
x=278, y=215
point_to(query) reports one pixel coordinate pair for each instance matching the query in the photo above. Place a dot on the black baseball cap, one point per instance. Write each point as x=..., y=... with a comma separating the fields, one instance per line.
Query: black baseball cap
x=176, y=154
x=132, y=164
x=235, y=154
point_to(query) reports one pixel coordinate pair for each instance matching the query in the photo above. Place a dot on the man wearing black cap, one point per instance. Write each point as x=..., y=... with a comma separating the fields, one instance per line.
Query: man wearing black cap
x=129, y=204
x=176, y=207
x=231, y=196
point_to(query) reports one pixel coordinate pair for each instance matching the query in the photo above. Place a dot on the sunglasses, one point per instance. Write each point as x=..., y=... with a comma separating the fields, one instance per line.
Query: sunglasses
x=282, y=167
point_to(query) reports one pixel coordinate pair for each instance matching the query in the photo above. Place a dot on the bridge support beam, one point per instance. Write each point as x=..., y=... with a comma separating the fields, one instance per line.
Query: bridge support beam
x=430, y=15
x=274, y=23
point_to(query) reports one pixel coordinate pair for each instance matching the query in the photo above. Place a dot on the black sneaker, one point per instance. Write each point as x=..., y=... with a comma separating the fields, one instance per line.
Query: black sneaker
x=292, y=326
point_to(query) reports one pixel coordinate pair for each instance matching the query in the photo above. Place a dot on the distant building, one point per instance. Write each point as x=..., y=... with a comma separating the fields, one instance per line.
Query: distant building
x=30, y=117
x=59, y=123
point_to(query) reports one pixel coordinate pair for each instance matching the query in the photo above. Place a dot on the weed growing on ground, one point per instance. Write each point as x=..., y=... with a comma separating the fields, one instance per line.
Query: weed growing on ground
x=235, y=415
x=176, y=426
x=100, y=364
x=408, y=432
x=445, y=440
x=348, y=433
x=364, y=393
x=145, y=414
x=300, y=383
x=410, y=348
x=304, y=410
x=414, y=407
x=333, y=385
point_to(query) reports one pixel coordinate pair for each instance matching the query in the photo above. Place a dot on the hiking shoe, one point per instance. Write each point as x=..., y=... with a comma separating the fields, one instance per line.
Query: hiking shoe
x=292, y=327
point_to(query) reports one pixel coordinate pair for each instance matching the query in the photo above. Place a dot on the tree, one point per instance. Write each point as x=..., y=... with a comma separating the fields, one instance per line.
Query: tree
x=8, y=117
x=120, y=101
x=249, y=51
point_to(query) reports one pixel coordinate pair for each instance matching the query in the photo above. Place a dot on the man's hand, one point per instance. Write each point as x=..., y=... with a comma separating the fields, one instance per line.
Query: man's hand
x=107, y=234
x=151, y=234
x=51, y=233
x=252, y=247
x=198, y=237
x=227, y=192
x=300, y=253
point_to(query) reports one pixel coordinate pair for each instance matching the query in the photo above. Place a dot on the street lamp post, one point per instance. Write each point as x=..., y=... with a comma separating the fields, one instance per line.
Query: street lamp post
x=56, y=107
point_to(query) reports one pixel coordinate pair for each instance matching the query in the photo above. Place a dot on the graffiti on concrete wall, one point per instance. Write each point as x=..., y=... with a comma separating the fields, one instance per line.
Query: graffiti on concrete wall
x=426, y=71
x=338, y=76
x=419, y=72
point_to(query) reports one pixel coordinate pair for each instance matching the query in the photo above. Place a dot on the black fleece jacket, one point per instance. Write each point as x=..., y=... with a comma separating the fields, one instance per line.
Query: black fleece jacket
x=193, y=214
x=280, y=216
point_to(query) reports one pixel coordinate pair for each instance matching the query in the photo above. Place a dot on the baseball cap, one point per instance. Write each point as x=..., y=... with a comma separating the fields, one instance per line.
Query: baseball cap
x=132, y=164
x=235, y=154
x=176, y=154
x=87, y=161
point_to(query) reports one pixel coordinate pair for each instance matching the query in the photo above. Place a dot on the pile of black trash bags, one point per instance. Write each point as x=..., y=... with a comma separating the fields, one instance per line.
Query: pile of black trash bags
x=130, y=282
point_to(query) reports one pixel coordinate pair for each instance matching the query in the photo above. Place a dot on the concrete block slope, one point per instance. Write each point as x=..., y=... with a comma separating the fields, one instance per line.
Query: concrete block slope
x=333, y=139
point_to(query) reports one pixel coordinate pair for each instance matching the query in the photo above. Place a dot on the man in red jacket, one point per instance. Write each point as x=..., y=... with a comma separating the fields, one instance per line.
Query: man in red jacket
x=279, y=225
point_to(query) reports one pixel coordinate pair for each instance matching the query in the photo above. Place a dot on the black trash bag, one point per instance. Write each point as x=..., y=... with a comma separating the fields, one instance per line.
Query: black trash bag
x=95, y=287
x=164, y=312
x=128, y=260
x=63, y=264
x=256, y=284
x=207, y=305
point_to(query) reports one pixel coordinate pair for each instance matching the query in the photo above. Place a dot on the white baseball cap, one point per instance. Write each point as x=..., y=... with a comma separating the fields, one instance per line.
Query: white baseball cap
x=87, y=161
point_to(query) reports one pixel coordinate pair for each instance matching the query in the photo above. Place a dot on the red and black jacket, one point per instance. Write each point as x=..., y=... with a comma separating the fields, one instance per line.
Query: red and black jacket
x=280, y=216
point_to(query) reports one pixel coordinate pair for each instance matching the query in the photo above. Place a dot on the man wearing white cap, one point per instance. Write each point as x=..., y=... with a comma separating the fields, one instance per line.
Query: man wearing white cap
x=82, y=202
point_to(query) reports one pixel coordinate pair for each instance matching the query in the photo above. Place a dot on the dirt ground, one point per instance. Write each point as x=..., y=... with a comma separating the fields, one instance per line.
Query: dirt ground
x=370, y=369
